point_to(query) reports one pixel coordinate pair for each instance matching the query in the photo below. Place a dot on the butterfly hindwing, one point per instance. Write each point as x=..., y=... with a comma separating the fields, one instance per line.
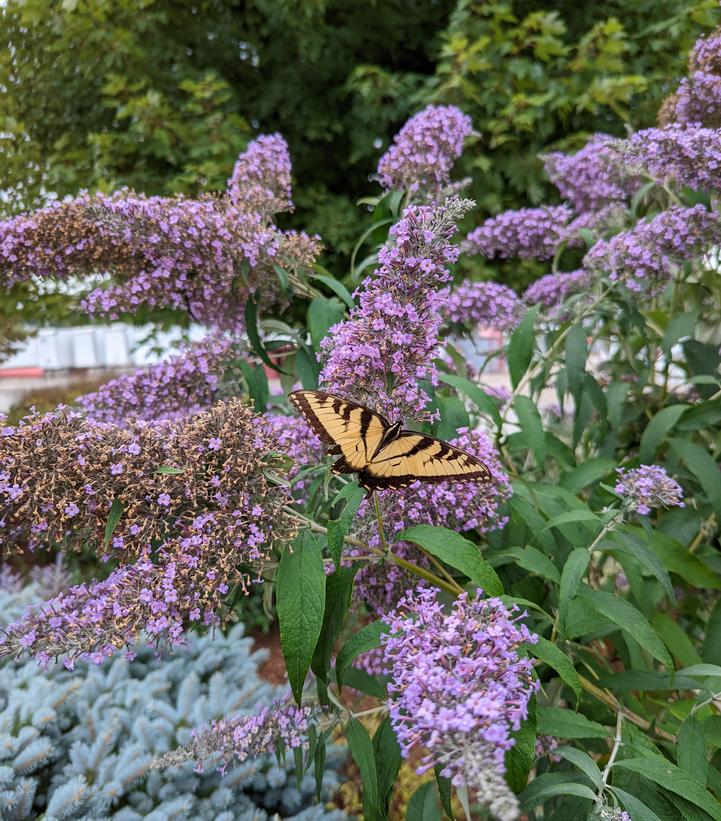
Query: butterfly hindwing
x=354, y=431
x=415, y=456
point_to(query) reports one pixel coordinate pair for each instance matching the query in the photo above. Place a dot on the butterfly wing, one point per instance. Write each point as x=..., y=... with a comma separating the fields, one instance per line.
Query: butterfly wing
x=354, y=430
x=415, y=456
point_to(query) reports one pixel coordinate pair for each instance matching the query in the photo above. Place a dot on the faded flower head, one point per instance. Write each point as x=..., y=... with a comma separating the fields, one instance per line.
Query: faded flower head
x=612, y=814
x=643, y=259
x=179, y=386
x=227, y=741
x=482, y=303
x=191, y=513
x=261, y=177
x=458, y=688
x=647, y=487
x=379, y=355
x=424, y=150
x=593, y=177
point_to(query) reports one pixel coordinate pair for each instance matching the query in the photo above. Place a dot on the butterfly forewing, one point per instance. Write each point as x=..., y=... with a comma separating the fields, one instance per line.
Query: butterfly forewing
x=355, y=430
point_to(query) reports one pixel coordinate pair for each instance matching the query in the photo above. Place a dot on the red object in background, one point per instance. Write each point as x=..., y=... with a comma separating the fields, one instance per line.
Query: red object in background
x=21, y=373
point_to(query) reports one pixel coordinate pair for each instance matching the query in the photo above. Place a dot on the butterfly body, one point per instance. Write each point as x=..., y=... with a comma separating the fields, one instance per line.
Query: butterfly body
x=384, y=455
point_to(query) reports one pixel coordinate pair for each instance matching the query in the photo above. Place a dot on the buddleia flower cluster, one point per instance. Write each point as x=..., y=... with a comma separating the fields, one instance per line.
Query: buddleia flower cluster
x=648, y=487
x=190, y=503
x=594, y=177
x=205, y=256
x=237, y=739
x=458, y=688
x=176, y=387
x=698, y=98
x=644, y=258
x=689, y=155
x=261, y=178
x=424, y=150
x=487, y=304
x=382, y=352
x=553, y=290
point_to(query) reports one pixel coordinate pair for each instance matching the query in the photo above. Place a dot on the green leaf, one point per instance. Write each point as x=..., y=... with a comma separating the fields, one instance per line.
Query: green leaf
x=338, y=591
x=675, y=638
x=116, y=511
x=367, y=638
x=456, y=551
x=307, y=368
x=562, y=723
x=300, y=597
x=657, y=429
x=251, y=329
x=361, y=748
x=571, y=575
x=323, y=313
x=549, y=654
x=532, y=559
x=170, y=471
x=388, y=761
x=570, y=517
x=636, y=809
x=352, y=494
x=520, y=758
x=423, y=805
x=336, y=286
x=576, y=354
x=633, y=623
x=484, y=402
x=530, y=421
x=638, y=550
x=711, y=648
x=364, y=682
x=583, y=761
x=444, y=792
x=679, y=326
x=520, y=346
x=703, y=467
x=587, y=473
x=676, y=558
x=550, y=785
x=675, y=780
x=692, y=748
x=257, y=383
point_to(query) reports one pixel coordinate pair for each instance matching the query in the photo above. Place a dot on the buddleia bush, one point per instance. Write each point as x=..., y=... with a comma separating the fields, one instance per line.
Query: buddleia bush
x=79, y=744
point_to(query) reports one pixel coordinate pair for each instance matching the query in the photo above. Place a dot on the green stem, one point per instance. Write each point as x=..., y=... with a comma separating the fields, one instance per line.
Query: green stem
x=379, y=519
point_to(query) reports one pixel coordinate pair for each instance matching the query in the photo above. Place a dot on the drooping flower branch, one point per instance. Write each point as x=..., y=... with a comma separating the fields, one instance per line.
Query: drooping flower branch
x=206, y=256
x=176, y=387
x=458, y=688
x=380, y=355
x=424, y=150
x=234, y=740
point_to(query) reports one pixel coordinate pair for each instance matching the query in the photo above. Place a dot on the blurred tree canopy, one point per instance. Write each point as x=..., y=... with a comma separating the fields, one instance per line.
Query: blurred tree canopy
x=161, y=96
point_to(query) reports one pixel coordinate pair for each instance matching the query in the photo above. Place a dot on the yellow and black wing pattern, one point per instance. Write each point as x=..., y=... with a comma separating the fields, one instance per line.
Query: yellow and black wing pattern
x=383, y=455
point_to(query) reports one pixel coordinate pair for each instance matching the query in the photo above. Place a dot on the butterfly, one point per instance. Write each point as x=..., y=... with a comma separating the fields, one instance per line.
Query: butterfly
x=383, y=454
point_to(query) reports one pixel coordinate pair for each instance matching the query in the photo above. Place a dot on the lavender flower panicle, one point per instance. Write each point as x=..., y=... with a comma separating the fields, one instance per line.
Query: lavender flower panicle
x=552, y=290
x=643, y=258
x=424, y=150
x=243, y=737
x=647, y=487
x=528, y=233
x=592, y=178
x=261, y=177
x=688, y=154
x=174, y=388
x=458, y=688
x=387, y=345
x=697, y=101
x=488, y=304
